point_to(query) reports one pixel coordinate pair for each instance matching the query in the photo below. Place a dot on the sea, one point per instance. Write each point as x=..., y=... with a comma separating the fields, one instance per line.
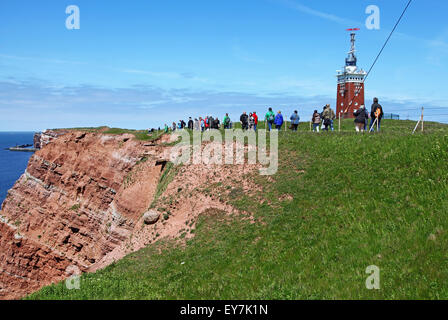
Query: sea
x=12, y=164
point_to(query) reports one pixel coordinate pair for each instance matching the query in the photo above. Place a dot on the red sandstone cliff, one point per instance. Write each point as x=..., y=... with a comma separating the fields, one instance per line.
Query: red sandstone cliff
x=78, y=199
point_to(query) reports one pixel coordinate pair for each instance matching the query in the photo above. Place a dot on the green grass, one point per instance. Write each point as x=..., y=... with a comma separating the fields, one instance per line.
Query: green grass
x=139, y=134
x=142, y=135
x=75, y=207
x=87, y=129
x=167, y=176
x=357, y=200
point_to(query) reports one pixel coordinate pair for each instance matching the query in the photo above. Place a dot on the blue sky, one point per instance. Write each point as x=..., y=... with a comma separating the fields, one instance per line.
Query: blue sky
x=143, y=63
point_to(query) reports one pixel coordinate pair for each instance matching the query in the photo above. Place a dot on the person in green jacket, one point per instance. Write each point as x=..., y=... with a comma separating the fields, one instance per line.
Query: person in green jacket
x=226, y=121
x=270, y=118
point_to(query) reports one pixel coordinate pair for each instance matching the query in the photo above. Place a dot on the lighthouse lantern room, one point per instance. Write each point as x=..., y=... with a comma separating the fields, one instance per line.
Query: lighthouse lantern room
x=350, y=94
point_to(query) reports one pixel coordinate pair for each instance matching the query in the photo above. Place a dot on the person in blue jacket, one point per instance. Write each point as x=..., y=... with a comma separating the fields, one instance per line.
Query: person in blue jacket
x=278, y=120
x=295, y=119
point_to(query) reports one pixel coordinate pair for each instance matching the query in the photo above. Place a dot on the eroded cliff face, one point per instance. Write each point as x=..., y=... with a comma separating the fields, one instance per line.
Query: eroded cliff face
x=80, y=197
x=80, y=204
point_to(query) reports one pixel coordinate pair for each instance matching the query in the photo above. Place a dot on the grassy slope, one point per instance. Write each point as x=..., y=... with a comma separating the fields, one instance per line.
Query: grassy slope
x=358, y=200
x=139, y=134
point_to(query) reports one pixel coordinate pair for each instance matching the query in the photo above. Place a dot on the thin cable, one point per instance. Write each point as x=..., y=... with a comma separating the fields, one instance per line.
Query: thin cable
x=387, y=41
x=381, y=51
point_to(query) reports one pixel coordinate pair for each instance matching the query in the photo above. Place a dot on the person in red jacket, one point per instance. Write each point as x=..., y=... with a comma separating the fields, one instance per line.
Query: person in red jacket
x=254, y=114
x=206, y=123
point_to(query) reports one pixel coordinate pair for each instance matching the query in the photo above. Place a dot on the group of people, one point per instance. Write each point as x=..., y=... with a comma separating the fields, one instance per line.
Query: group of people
x=324, y=120
x=362, y=117
x=200, y=124
x=248, y=122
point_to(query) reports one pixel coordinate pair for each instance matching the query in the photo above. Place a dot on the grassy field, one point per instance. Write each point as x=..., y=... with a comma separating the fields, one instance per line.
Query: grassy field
x=142, y=135
x=139, y=134
x=353, y=201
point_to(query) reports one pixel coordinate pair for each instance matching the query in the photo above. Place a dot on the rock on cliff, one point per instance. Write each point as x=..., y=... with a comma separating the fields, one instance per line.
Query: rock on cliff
x=80, y=197
x=41, y=139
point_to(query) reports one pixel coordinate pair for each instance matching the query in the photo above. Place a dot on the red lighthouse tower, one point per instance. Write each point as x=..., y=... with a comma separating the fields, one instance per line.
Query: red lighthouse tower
x=350, y=95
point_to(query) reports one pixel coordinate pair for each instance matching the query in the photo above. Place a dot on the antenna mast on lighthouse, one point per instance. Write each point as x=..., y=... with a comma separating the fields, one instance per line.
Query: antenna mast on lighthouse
x=351, y=60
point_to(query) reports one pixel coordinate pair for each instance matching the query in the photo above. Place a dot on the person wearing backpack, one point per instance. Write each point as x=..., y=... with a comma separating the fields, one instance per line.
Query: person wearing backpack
x=216, y=124
x=376, y=112
x=328, y=116
x=251, y=121
x=360, y=120
x=210, y=122
x=206, y=123
x=322, y=118
x=226, y=121
x=315, y=120
x=270, y=118
x=279, y=120
x=196, y=126
x=190, y=123
x=366, y=124
x=295, y=119
x=244, y=119
x=202, y=124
